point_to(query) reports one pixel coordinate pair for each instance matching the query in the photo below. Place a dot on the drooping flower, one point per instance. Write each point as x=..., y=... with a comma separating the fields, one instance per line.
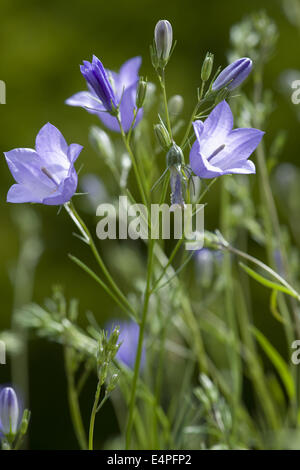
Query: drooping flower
x=128, y=338
x=110, y=90
x=219, y=150
x=45, y=175
x=9, y=411
x=233, y=75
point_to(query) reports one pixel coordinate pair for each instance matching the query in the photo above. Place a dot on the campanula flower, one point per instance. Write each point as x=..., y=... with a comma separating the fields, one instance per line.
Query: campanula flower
x=108, y=91
x=219, y=150
x=45, y=175
x=128, y=338
x=9, y=411
x=233, y=75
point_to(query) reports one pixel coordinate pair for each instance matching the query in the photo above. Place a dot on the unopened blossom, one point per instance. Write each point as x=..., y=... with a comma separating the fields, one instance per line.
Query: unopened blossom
x=128, y=339
x=233, y=75
x=9, y=411
x=220, y=150
x=45, y=175
x=163, y=37
x=109, y=92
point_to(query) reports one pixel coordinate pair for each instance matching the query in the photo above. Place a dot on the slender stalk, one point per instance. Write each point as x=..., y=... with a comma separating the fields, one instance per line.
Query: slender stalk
x=164, y=92
x=140, y=345
x=93, y=416
x=134, y=164
x=73, y=401
x=194, y=114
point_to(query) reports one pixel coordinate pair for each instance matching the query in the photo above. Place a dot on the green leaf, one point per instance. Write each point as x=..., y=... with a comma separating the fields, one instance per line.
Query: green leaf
x=278, y=362
x=266, y=282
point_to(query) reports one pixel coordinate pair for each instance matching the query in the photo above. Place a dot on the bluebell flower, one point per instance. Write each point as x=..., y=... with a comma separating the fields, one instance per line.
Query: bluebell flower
x=233, y=75
x=9, y=411
x=45, y=175
x=108, y=91
x=219, y=150
x=128, y=338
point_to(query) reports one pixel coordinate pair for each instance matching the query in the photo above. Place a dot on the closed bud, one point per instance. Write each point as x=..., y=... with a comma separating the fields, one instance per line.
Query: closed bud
x=141, y=93
x=163, y=136
x=174, y=156
x=25, y=422
x=207, y=67
x=102, y=143
x=9, y=411
x=163, y=37
x=233, y=75
x=175, y=105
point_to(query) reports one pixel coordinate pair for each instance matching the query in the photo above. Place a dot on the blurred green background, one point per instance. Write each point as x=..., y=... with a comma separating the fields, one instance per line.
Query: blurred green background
x=42, y=45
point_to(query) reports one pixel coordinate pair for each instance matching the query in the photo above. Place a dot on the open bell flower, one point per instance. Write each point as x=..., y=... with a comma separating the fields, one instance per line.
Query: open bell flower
x=233, y=75
x=110, y=91
x=45, y=175
x=9, y=411
x=219, y=150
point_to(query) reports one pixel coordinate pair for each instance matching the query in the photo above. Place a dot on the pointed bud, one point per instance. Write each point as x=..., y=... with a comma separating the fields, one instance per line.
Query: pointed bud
x=141, y=93
x=163, y=136
x=233, y=75
x=163, y=37
x=9, y=411
x=207, y=67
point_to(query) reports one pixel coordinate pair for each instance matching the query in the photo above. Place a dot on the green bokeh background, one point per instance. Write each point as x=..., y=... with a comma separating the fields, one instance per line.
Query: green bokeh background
x=41, y=46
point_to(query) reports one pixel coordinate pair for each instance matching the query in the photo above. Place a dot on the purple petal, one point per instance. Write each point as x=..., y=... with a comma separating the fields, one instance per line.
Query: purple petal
x=199, y=164
x=74, y=151
x=85, y=100
x=239, y=145
x=50, y=139
x=129, y=72
x=19, y=193
x=25, y=166
x=127, y=107
x=65, y=191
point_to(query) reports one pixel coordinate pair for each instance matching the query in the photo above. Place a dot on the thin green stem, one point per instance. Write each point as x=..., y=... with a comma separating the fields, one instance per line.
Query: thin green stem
x=93, y=416
x=134, y=164
x=140, y=345
x=194, y=113
x=73, y=401
x=162, y=82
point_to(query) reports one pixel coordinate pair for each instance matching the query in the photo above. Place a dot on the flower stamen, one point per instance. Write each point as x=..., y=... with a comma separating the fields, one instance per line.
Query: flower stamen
x=218, y=150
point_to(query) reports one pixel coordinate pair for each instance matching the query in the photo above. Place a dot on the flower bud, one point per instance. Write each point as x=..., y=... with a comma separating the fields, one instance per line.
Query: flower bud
x=9, y=411
x=175, y=105
x=163, y=37
x=174, y=156
x=141, y=93
x=101, y=141
x=207, y=67
x=163, y=136
x=233, y=75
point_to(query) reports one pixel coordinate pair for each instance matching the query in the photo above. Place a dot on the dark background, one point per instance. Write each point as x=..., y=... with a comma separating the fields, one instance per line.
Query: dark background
x=42, y=44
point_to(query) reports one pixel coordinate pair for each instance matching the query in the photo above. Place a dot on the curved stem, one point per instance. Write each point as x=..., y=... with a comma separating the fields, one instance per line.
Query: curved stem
x=93, y=416
x=164, y=92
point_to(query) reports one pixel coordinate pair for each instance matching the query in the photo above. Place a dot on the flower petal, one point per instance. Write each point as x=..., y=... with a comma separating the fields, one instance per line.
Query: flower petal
x=199, y=164
x=19, y=193
x=50, y=139
x=129, y=72
x=239, y=145
x=74, y=151
x=85, y=99
x=65, y=191
x=216, y=128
